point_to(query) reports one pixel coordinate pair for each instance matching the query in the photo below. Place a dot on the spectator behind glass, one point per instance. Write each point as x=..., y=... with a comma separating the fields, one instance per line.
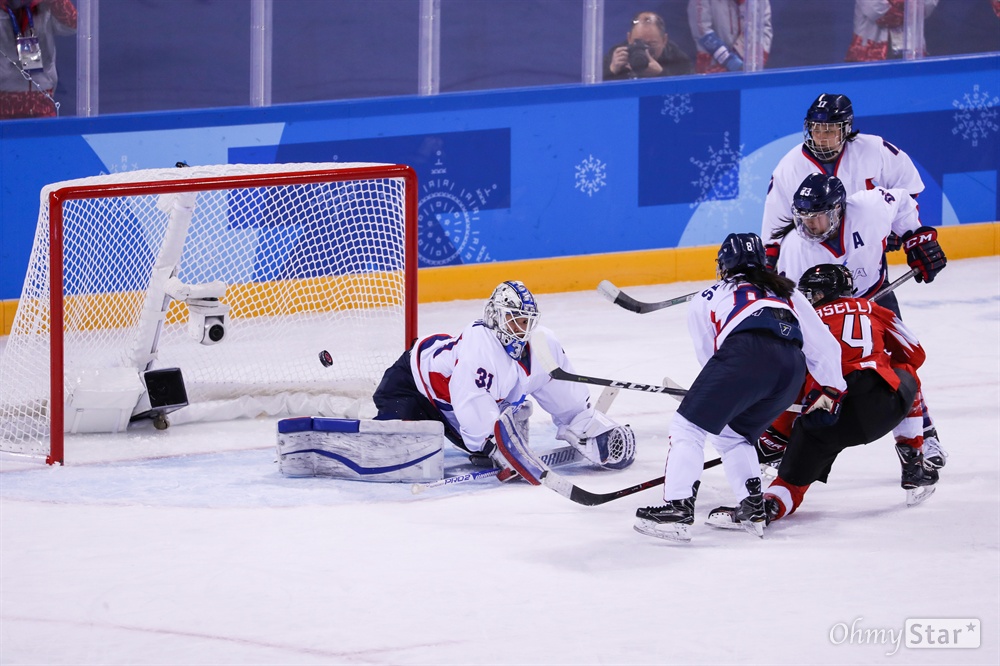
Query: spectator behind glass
x=661, y=57
x=717, y=28
x=878, y=30
x=28, y=55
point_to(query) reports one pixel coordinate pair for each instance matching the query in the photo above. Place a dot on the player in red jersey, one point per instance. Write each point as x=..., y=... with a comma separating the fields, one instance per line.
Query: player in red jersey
x=880, y=357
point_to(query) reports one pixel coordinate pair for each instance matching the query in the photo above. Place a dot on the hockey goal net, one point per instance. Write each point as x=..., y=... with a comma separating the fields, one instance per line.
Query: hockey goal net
x=138, y=271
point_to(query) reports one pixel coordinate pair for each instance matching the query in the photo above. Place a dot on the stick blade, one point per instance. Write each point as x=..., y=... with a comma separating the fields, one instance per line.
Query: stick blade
x=608, y=290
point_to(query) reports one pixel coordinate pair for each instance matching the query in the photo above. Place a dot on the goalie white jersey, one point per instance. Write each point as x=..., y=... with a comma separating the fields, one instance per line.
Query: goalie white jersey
x=867, y=162
x=471, y=379
x=868, y=218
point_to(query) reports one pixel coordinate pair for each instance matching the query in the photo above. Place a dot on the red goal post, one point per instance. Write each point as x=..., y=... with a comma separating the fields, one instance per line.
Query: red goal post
x=239, y=275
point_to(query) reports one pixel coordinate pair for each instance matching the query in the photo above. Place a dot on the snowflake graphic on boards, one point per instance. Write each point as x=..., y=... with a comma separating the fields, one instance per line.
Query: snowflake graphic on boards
x=448, y=219
x=722, y=177
x=677, y=106
x=591, y=175
x=976, y=116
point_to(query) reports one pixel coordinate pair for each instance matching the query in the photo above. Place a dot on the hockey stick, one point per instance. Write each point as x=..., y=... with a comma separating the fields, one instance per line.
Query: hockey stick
x=620, y=298
x=577, y=494
x=895, y=283
x=556, y=458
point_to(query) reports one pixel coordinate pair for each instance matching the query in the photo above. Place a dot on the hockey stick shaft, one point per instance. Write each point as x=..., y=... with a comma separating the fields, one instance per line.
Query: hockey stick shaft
x=895, y=283
x=577, y=494
x=555, y=458
x=559, y=373
x=620, y=298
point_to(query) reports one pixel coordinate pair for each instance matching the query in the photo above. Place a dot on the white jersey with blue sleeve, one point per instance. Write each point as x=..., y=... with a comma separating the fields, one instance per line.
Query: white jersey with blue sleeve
x=868, y=217
x=726, y=306
x=867, y=162
x=471, y=379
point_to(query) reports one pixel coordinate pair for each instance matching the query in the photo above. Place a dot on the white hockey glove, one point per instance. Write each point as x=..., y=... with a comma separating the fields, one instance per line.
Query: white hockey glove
x=600, y=439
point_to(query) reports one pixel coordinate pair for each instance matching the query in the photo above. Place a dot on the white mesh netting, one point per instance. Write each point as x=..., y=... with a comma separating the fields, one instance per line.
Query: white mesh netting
x=306, y=267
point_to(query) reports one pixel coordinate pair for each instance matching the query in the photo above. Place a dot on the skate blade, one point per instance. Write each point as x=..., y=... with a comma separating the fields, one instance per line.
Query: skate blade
x=755, y=529
x=723, y=518
x=915, y=496
x=677, y=532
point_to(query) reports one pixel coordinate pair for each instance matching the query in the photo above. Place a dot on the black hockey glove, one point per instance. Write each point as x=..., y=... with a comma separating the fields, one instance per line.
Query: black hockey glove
x=771, y=447
x=923, y=253
x=771, y=253
x=893, y=242
x=821, y=408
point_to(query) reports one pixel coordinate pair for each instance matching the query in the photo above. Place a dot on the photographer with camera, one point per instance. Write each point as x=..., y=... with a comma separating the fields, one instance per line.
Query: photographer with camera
x=648, y=52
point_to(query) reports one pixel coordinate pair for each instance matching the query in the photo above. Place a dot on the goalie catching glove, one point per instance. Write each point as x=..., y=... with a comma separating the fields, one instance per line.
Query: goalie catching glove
x=600, y=440
x=923, y=253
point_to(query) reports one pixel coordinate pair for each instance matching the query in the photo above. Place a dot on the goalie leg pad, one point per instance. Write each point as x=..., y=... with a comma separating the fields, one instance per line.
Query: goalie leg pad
x=359, y=450
x=514, y=449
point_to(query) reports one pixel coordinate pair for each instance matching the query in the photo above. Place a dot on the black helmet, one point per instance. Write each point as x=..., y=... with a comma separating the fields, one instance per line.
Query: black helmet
x=740, y=253
x=826, y=282
x=818, y=193
x=829, y=110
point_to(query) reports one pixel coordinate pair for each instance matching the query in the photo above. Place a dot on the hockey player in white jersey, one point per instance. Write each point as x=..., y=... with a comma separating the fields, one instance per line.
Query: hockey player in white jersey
x=476, y=384
x=834, y=228
x=755, y=336
x=832, y=146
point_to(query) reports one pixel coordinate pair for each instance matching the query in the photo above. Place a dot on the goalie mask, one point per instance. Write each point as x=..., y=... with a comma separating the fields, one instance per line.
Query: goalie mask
x=512, y=314
x=825, y=283
x=818, y=207
x=828, y=126
x=738, y=254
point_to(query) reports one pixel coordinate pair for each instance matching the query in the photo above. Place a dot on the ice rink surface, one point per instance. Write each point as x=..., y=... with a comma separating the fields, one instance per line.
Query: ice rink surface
x=188, y=547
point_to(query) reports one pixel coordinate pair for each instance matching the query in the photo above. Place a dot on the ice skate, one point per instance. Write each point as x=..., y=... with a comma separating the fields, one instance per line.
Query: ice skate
x=917, y=481
x=672, y=521
x=935, y=457
x=751, y=513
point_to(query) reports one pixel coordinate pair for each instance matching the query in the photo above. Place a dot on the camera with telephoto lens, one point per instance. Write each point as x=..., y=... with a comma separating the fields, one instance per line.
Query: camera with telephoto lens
x=638, y=59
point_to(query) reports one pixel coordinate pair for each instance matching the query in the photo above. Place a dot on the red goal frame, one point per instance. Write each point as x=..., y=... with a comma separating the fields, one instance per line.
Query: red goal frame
x=57, y=198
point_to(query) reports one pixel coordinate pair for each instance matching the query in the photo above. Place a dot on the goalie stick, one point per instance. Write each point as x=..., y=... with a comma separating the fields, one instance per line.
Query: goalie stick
x=620, y=298
x=555, y=458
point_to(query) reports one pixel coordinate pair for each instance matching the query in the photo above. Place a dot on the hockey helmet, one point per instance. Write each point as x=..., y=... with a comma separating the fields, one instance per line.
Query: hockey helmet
x=818, y=207
x=826, y=282
x=828, y=125
x=740, y=253
x=511, y=312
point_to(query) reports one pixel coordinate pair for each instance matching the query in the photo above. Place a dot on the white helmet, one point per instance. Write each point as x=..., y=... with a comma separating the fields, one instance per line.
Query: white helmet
x=512, y=314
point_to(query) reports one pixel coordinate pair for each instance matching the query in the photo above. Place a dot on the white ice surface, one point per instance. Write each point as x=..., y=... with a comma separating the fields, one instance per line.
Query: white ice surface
x=187, y=546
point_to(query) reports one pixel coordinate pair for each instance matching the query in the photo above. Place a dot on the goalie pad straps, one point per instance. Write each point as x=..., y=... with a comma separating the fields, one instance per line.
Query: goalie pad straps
x=515, y=451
